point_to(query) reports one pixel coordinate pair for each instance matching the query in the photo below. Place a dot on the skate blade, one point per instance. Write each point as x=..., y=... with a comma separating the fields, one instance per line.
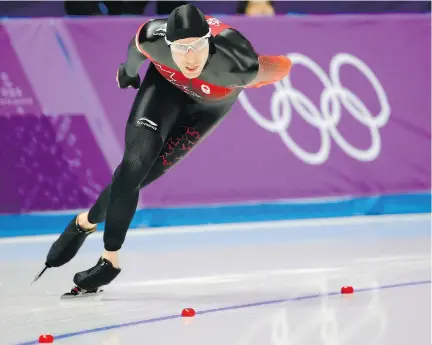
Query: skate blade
x=39, y=275
x=83, y=293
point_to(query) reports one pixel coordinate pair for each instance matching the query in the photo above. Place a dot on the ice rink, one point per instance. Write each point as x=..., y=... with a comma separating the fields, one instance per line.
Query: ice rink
x=264, y=284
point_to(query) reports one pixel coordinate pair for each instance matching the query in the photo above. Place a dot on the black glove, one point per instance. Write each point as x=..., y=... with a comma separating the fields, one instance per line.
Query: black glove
x=125, y=81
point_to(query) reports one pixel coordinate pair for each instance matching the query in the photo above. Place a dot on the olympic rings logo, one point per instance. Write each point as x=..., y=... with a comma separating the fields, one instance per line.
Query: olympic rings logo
x=326, y=119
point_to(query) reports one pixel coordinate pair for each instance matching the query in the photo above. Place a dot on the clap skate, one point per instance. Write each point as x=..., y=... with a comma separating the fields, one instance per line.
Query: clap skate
x=89, y=282
x=66, y=246
x=77, y=292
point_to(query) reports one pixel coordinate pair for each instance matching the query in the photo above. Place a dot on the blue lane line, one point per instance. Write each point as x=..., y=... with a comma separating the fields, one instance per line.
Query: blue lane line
x=208, y=311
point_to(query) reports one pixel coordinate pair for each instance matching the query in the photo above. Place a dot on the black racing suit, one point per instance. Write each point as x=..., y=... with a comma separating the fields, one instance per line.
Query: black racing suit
x=170, y=114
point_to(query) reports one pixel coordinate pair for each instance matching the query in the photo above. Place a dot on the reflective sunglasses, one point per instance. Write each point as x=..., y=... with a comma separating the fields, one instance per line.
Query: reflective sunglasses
x=196, y=46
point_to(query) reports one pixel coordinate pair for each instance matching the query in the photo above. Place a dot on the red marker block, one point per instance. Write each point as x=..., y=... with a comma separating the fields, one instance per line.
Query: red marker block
x=46, y=339
x=188, y=312
x=347, y=290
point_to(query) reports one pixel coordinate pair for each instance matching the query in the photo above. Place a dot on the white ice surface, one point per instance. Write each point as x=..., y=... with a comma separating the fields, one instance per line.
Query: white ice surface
x=263, y=284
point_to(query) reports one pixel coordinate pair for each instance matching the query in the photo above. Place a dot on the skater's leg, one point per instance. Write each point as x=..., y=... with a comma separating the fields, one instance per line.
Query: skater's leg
x=196, y=121
x=88, y=221
x=165, y=105
x=97, y=214
x=155, y=110
x=142, y=149
x=194, y=124
x=154, y=113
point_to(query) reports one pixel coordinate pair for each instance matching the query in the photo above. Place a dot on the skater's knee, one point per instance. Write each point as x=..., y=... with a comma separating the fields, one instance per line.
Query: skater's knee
x=142, y=150
x=130, y=175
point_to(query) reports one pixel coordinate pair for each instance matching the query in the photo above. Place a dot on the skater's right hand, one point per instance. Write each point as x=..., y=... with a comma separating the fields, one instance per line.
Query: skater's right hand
x=124, y=81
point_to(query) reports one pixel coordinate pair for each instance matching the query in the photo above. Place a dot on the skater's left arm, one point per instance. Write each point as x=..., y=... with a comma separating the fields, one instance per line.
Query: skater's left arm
x=271, y=69
x=257, y=70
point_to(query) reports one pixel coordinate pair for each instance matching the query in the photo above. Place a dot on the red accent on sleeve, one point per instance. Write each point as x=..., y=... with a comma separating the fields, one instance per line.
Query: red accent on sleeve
x=271, y=70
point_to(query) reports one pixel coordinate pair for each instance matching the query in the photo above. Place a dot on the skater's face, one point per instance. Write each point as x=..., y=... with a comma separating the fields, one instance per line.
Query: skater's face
x=190, y=55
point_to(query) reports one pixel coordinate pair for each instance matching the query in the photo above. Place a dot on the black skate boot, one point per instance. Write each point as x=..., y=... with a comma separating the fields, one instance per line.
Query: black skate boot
x=88, y=283
x=66, y=246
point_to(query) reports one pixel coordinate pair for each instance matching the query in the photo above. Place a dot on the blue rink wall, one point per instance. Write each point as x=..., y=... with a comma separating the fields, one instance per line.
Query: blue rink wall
x=53, y=223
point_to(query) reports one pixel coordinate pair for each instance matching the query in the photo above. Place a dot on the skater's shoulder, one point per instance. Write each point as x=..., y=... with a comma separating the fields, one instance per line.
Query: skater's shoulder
x=233, y=46
x=151, y=30
x=232, y=42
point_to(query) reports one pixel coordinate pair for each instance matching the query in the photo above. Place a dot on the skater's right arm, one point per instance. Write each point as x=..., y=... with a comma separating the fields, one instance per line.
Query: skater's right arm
x=134, y=59
x=148, y=33
x=127, y=74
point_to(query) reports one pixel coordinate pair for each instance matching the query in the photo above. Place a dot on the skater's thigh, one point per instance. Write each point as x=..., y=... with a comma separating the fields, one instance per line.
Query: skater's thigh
x=194, y=124
x=154, y=112
x=157, y=105
x=175, y=148
x=178, y=143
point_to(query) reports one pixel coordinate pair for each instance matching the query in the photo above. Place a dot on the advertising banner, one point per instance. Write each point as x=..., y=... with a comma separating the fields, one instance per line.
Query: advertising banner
x=352, y=119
